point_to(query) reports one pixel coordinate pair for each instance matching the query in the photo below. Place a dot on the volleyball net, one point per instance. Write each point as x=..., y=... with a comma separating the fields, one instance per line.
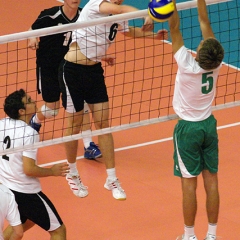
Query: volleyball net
x=141, y=83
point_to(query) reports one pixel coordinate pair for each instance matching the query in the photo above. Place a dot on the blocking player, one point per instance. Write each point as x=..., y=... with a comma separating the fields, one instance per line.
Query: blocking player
x=195, y=135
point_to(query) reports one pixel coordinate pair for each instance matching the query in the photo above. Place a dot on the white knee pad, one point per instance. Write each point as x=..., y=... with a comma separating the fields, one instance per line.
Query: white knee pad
x=48, y=112
x=86, y=108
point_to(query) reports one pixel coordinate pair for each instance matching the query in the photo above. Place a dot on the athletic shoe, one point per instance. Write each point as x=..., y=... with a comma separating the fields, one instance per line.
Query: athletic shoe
x=34, y=125
x=185, y=238
x=210, y=237
x=92, y=152
x=114, y=185
x=76, y=185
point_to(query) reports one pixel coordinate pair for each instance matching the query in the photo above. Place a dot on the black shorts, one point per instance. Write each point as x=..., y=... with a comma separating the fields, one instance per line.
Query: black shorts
x=47, y=82
x=39, y=209
x=81, y=82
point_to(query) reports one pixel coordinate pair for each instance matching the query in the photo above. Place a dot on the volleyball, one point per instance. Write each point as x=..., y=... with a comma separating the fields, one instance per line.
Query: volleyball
x=160, y=10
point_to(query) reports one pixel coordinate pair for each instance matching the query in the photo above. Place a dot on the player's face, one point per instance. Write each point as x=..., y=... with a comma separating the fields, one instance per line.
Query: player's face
x=72, y=3
x=30, y=105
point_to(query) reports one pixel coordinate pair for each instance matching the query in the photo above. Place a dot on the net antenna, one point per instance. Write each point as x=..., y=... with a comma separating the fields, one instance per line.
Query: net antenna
x=140, y=85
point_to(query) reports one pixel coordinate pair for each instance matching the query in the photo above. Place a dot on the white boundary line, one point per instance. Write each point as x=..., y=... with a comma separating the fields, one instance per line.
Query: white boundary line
x=140, y=145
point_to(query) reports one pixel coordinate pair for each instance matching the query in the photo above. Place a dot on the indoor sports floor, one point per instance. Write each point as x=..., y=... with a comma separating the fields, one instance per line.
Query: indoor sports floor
x=144, y=166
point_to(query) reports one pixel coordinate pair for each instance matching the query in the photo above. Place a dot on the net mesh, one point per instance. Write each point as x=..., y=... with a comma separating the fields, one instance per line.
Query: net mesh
x=140, y=85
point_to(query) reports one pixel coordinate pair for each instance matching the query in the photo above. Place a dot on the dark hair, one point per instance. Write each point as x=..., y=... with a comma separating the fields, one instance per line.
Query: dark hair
x=211, y=54
x=13, y=103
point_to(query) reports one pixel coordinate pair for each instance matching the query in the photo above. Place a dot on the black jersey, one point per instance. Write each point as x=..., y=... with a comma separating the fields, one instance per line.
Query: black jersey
x=52, y=48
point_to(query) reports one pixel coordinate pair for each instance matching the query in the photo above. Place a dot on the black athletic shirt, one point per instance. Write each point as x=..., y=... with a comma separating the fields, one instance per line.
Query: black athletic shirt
x=52, y=48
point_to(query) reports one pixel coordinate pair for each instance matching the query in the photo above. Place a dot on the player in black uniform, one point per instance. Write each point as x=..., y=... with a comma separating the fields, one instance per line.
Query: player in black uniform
x=50, y=51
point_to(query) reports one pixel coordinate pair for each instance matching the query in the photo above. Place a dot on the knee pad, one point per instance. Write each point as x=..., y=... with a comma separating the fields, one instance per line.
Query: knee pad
x=86, y=108
x=48, y=112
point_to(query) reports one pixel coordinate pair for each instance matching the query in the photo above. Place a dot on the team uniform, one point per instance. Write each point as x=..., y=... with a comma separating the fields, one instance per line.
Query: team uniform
x=195, y=135
x=83, y=82
x=51, y=51
x=32, y=203
x=8, y=209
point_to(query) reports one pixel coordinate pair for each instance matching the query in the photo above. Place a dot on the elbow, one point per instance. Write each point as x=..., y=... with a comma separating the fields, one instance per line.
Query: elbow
x=28, y=172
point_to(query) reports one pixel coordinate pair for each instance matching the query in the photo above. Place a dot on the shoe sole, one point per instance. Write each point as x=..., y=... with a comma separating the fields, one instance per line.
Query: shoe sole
x=80, y=196
x=119, y=199
x=98, y=156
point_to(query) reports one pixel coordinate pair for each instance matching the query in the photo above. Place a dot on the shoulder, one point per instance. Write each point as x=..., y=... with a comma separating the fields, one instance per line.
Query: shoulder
x=185, y=60
x=50, y=11
x=182, y=51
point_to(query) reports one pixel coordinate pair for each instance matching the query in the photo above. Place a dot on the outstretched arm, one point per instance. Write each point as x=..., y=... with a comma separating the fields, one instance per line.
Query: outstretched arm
x=136, y=32
x=176, y=35
x=203, y=19
x=111, y=8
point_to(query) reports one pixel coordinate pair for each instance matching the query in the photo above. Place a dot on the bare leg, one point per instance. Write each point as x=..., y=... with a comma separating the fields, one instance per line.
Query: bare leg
x=74, y=126
x=9, y=230
x=59, y=233
x=100, y=114
x=86, y=124
x=212, y=201
x=189, y=186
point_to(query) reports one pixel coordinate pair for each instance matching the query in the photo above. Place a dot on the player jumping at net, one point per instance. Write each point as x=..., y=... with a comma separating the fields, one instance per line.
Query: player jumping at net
x=50, y=51
x=82, y=79
x=20, y=172
x=9, y=211
x=195, y=135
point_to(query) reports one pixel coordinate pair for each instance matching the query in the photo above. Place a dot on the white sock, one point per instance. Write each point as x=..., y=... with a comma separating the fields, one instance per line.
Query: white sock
x=87, y=139
x=36, y=119
x=111, y=172
x=73, y=168
x=212, y=228
x=188, y=231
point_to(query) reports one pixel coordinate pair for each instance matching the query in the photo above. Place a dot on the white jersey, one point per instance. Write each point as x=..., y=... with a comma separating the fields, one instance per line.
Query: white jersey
x=94, y=41
x=194, y=88
x=13, y=134
x=8, y=209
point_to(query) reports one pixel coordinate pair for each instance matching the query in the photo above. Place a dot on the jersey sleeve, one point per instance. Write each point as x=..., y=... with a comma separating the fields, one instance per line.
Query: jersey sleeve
x=184, y=59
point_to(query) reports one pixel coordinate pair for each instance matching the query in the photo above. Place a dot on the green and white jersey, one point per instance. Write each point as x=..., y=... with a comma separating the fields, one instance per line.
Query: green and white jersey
x=194, y=88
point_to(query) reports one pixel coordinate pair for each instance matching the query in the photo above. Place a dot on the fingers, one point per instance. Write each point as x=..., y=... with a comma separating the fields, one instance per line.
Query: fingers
x=147, y=27
x=33, y=47
x=61, y=169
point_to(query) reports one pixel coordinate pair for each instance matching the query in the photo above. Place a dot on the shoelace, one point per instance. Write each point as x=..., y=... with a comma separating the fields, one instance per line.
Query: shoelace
x=77, y=181
x=116, y=184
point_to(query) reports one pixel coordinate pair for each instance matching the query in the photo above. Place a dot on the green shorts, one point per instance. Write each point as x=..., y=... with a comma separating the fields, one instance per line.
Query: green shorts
x=195, y=147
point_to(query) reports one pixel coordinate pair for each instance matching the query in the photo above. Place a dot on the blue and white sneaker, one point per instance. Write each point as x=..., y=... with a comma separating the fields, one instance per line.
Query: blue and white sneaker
x=92, y=152
x=34, y=125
